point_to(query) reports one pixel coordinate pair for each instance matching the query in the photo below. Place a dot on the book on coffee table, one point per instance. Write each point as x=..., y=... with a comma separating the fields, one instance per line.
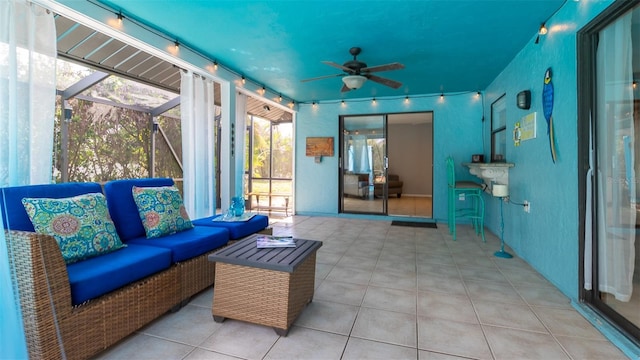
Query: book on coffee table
x=270, y=241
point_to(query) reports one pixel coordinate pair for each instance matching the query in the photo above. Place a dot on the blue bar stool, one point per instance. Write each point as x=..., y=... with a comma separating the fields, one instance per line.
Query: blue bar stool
x=473, y=191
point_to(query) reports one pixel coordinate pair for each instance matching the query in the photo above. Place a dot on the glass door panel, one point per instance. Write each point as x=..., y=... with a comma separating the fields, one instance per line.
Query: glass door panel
x=363, y=170
x=616, y=272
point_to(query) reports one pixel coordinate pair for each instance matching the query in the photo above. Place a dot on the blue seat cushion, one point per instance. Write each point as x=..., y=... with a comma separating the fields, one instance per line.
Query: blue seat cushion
x=237, y=229
x=102, y=274
x=15, y=216
x=122, y=207
x=188, y=244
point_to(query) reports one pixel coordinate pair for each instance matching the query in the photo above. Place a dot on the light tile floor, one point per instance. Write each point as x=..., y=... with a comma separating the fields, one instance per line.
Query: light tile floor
x=391, y=292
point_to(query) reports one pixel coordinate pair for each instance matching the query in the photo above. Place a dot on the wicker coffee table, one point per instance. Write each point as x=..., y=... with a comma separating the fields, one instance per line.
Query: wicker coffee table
x=264, y=286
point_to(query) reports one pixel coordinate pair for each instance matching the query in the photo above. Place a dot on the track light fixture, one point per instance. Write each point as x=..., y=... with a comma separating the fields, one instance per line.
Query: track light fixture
x=244, y=81
x=406, y=99
x=215, y=65
x=120, y=17
x=176, y=44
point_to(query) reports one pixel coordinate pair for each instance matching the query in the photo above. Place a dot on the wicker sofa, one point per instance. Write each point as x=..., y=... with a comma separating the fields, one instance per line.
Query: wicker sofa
x=76, y=310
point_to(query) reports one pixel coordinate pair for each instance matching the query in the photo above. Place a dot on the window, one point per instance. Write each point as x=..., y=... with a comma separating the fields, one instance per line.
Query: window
x=499, y=130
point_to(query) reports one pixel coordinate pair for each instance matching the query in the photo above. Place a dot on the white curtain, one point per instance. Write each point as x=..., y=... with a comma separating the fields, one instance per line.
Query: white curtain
x=616, y=212
x=588, y=221
x=27, y=93
x=239, y=150
x=27, y=108
x=361, y=154
x=198, y=144
x=351, y=159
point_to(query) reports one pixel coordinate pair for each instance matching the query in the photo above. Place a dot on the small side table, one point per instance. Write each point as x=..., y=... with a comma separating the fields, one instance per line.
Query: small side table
x=264, y=286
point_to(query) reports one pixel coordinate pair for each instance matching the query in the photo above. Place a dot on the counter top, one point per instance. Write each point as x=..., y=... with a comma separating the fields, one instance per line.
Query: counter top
x=490, y=173
x=490, y=165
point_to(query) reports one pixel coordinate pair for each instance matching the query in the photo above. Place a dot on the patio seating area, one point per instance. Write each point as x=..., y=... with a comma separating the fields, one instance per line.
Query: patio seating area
x=391, y=292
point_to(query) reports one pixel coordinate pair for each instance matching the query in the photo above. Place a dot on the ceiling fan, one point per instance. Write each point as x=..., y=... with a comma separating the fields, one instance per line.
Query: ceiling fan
x=356, y=72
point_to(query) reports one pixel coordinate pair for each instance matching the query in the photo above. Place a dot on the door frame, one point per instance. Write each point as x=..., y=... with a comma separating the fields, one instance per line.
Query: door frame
x=388, y=121
x=587, y=42
x=371, y=187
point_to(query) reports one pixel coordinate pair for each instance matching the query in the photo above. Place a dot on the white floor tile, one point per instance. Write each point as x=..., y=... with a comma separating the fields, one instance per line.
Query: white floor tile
x=391, y=292
x=385, y=326
x=452, y=337
x=302, y=343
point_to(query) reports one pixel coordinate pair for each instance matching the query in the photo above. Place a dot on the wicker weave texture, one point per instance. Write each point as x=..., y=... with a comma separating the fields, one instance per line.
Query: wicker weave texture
x=90, y=328
x=196, y=274
x=24, y=249
x=260, y=296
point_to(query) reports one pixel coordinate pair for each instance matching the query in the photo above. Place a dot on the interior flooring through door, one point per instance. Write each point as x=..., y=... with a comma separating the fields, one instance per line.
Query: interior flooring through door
x=415, y=206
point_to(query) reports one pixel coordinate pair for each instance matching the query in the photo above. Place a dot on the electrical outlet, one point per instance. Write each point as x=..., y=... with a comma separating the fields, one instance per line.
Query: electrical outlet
x=461, y=197
x=527, y=206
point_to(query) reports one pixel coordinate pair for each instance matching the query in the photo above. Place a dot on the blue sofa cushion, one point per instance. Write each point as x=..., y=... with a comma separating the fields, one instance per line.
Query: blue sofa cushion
x=237, y=229
x=100, y=275
x=14, y=215
x=187, y=244
x=122, y=207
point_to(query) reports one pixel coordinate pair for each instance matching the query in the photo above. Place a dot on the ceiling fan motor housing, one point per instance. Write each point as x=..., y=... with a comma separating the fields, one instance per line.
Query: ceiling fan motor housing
x=355, y=65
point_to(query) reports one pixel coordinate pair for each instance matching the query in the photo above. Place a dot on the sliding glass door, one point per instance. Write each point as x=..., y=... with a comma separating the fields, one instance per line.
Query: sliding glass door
x=363, y=166
x=612, y=225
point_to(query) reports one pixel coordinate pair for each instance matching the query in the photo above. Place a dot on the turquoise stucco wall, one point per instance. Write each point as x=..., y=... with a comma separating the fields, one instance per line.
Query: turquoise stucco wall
x=457, y=131
x=547, y=237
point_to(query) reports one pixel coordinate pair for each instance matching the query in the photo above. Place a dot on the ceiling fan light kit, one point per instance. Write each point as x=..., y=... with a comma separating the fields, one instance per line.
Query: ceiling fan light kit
x=356, y=72
x=354, y=82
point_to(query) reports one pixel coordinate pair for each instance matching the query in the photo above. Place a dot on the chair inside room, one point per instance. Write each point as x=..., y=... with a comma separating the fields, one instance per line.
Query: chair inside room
x=473, y=195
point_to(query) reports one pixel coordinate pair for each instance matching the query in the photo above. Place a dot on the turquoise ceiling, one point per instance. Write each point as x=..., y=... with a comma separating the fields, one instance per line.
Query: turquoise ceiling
x=445, y=45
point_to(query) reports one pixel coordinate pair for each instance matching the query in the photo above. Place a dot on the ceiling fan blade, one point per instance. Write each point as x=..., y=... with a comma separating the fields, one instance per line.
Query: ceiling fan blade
x=386, y=67
x=336, y=65
x=384, y=81
x=322, y=77
x=344, y=88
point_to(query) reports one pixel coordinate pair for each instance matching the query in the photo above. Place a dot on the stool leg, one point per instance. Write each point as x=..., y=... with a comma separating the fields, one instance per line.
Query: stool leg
x=449, y=208
x=286, y=206
x=452, y=212
x=482, y=221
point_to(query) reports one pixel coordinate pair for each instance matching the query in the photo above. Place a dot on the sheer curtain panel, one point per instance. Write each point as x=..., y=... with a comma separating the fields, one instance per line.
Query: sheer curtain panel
x=27, y=93
x=240, y=133
x=27, y=108
x=198, y=144
x=615, y=135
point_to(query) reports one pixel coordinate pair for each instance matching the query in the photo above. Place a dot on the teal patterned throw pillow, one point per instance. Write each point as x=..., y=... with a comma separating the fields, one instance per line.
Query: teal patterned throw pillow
x=161, y=210
x=81, y=224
